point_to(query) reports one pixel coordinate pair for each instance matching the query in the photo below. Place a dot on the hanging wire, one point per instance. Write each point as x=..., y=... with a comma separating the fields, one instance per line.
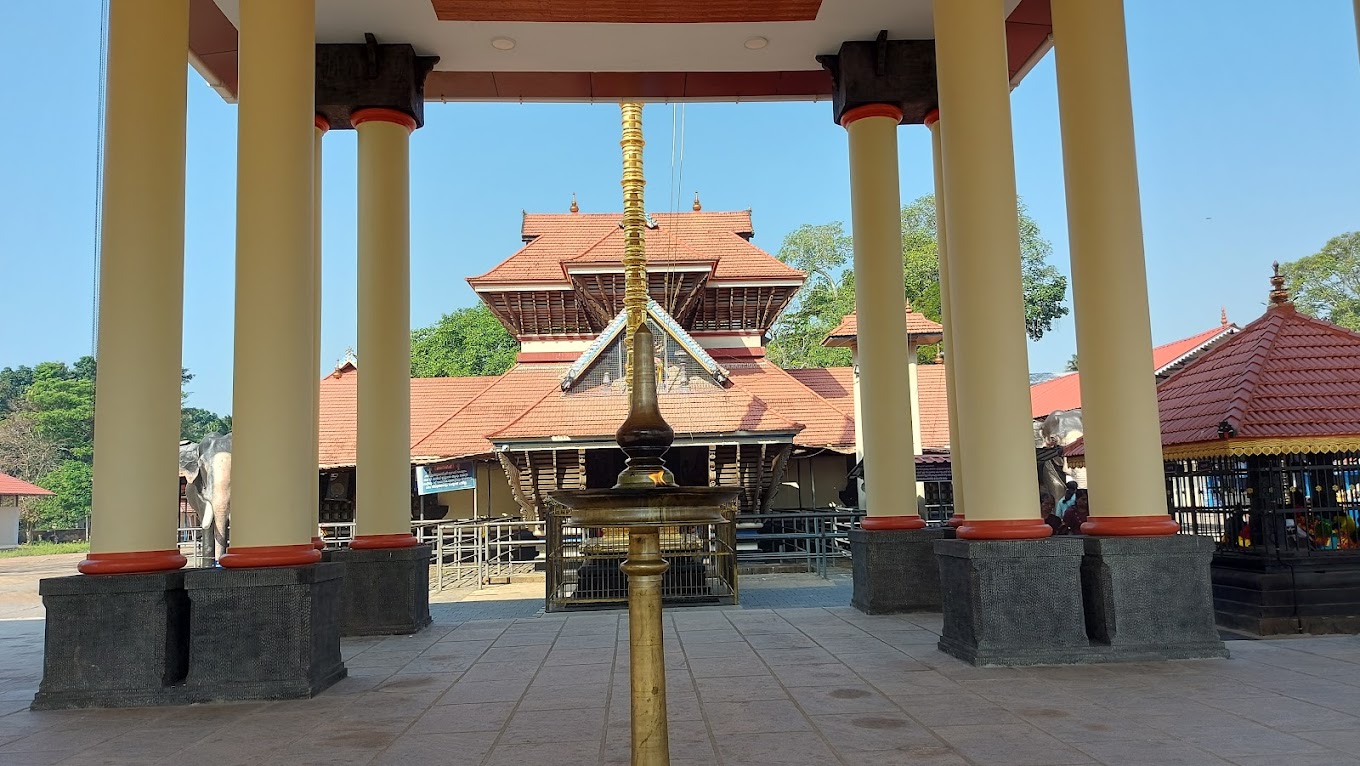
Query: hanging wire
x=102, y=87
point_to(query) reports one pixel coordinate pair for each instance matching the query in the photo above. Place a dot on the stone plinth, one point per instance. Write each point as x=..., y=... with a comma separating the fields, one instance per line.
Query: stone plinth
x=1150, y=597
x=386, y=591
x=113, y=640
x=268, y=633
x=1013, y=602
x=895, y=570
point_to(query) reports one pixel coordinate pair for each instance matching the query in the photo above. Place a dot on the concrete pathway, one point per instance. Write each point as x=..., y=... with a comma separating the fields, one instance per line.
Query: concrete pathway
x=789, y=685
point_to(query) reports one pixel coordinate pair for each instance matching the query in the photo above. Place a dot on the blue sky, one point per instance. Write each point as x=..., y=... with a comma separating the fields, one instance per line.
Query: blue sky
x=1247, y=121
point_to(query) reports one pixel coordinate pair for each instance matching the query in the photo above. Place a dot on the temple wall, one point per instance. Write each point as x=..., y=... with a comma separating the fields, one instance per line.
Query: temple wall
x=812, y=482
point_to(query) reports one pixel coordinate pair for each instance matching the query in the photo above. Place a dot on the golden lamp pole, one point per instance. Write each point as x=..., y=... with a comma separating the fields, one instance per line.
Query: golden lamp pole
x=645, y=497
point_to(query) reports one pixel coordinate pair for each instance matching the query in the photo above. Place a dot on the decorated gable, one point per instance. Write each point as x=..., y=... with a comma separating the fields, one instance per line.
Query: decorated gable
x=682, y=365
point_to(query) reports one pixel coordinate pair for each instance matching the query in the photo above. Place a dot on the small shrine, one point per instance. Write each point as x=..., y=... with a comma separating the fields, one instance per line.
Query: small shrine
x=1261, y=438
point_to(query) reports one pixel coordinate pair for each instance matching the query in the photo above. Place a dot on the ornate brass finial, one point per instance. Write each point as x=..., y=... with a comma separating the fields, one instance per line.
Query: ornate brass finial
x=1223, y=316
x=1278, y=294
x=697, y=207
x=939, y=356
x=634, y=226
x=575, y=208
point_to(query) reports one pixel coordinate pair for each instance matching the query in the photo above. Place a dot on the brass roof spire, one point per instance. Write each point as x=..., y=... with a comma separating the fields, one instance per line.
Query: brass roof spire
x=1279, y=295
x=1223, y=315
x=697, y=207
x=575, y=208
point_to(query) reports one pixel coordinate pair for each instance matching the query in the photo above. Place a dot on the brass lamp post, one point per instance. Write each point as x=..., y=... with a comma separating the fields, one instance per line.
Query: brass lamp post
x=645, y=497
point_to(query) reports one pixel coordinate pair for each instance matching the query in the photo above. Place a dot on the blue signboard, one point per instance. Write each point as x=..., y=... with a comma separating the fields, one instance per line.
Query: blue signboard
x=445, y=478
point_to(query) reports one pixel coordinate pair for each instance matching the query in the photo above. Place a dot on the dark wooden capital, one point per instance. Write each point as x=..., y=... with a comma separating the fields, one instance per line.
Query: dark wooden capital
x=350, y=77
x=883, y=71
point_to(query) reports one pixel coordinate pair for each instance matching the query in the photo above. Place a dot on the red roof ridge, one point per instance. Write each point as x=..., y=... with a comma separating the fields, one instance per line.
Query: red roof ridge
x=466, y=404
x=1237, y=407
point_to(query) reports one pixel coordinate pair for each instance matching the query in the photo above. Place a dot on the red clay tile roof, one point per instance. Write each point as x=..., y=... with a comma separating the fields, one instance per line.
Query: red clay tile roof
x=559, y=241
x=1284, y=375
x=837, y=386
x=12, y=486
x=919, y=328
x=825, y=425
x=464, y=433
x=590, y=415
x=433, y=400
x=1064, y=391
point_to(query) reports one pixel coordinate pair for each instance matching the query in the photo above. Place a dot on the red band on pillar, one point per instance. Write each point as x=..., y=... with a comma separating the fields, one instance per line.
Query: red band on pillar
x=883, y=523
x=375, y=114
x=270, y=556
x=870, y=110
x=956, y=520
x=932, y=117
x=1004, y=529
x=318, y=543
x=1159, y=525
x=322, y=124
x=368, y=542
x=137, y=562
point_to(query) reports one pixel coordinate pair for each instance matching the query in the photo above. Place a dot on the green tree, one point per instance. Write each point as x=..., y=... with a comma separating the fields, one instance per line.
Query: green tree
x=14, y=381
x=62, y=403
x=72, y=482
x=196, y=423
x=469, y=341
x=826, y=253
x=1071, y=364
x=1326, y=284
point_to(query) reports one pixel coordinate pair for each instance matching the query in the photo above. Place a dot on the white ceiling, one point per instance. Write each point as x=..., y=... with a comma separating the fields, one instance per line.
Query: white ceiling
x=466, y=46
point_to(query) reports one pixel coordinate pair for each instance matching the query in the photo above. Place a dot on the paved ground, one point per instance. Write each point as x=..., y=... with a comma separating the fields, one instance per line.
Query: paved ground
x=790, y=685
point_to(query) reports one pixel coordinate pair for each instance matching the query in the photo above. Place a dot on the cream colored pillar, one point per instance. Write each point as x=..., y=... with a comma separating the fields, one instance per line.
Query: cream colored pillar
x=320, y=126
x=141, y=288
x=986, y=298
x=383, y=495
x=914, y=403
x=1109, y=282
x=942, y=250
x=881, y=309
x=274, y=482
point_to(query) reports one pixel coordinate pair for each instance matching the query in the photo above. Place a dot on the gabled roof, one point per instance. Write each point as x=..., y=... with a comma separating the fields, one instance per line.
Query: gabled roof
x=1063, y=392
x=464, y=433
x=920, y=330
x=433, y=400
x=824, y=425
x=12, y=486
x=616, y=326
x=555, y=243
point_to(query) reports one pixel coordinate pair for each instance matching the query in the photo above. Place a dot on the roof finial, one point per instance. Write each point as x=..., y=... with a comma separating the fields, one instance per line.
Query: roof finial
x=1223, y=316
x=1278, y=294
x=575, y=208
x=697, y=207
x=939, y=356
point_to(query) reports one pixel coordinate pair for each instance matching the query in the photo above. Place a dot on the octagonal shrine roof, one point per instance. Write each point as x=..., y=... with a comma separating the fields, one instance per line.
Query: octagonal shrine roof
x=1287, y=383
x=558, y=243
x=920, y=330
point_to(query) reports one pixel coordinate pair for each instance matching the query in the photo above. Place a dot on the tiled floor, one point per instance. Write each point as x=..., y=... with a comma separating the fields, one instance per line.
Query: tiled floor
x=791, y=685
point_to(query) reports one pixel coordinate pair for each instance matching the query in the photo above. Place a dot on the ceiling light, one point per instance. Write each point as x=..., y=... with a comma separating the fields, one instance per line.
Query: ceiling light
x=502, y=43
x=755, y=43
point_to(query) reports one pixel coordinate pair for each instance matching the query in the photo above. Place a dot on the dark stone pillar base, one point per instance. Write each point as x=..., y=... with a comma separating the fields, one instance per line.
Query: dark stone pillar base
x=269, y=633
x=113, y=640
x=1013, y=602
x=895, y=570
x=386, y=590
x=1150, y=598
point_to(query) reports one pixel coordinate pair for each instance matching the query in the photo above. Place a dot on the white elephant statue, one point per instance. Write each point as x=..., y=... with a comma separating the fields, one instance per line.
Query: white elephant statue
x=206, y=469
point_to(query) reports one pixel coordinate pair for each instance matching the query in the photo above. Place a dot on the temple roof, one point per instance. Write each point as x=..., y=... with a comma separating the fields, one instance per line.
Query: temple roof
x=1064, y=391
x=920, y=330
x=12, y=486
x=559, y=243
x=1286, y=383
x=836, y=385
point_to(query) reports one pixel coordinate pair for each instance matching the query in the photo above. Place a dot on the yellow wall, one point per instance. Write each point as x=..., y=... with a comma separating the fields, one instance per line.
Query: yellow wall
x=493, y=497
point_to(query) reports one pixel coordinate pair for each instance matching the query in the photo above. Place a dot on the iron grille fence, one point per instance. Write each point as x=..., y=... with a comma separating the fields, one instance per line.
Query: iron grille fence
x=1270, y=505
x=476, y=552
x=814, y=539
x=583, y=564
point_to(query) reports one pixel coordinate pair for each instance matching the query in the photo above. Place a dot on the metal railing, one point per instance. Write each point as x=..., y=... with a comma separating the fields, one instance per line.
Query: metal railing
x=475, y=552
x=812, y=538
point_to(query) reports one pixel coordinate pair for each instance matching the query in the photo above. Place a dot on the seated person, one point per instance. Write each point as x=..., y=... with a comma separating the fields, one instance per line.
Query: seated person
x=1077, y=514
